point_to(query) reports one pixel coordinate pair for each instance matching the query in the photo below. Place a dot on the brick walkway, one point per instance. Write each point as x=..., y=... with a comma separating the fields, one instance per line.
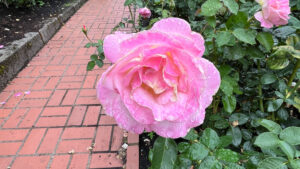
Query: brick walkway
x=54, y=125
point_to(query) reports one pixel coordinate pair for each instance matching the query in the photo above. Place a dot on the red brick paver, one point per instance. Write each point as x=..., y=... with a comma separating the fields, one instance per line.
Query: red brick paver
x=60, y=124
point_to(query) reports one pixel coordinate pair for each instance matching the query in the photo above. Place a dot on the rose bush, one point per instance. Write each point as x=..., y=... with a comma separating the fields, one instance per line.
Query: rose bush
x=274, y=12
x=251, y=123
x=159, y=80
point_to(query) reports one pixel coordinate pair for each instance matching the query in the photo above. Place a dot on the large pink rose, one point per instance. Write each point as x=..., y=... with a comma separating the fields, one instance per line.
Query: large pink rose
x=274, y=12
x=158, y=81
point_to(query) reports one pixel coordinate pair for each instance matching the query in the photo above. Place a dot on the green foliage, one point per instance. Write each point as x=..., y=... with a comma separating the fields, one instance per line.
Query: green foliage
x=164, y=153
x=251, y=121
x=206, y=151
x=22, y=3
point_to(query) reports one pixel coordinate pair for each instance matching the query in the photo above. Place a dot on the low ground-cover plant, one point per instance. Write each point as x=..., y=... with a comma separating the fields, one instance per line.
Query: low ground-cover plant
x=253, y=121
x=21, y=3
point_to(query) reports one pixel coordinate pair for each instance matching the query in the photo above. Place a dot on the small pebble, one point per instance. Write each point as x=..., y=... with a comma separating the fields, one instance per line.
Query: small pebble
x=71, y=152
x=6, y=29
x=125, y=146
x=17, y=20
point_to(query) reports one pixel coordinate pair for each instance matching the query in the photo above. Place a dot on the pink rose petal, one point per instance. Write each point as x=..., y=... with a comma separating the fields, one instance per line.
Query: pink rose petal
x=18, y=94
x=27, y=92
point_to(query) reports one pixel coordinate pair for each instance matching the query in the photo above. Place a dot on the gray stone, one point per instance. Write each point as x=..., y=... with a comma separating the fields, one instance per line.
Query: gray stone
x=34, y=44
x=76, y=5
x=66, y=14
x=49, y=29
x=14, y=58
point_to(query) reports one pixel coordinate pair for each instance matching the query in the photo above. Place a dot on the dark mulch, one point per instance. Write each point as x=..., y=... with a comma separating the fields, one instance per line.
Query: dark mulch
x=145, y=146
x=15, y=22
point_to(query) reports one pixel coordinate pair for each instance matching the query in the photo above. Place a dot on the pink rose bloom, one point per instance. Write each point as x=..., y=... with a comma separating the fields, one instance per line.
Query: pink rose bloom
x=159, y=80
x=145, y=12
x=274, y=12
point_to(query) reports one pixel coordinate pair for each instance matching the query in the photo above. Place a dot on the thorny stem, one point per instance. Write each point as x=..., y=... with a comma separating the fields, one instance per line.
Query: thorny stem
x=88, y=38
x=261, y=103
x=131, y=15
x=297, y=66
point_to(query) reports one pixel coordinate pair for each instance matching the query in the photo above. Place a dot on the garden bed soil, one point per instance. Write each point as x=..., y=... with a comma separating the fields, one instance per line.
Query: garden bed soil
x=15, y=22
x=145, y=144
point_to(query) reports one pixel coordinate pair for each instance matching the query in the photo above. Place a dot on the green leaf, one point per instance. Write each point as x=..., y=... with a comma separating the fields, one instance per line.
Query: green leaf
x=164, y=153
x=227, y=155
x=287, y=149
x=221, y=124
x=272, y=163
x=183, y=146
x=99, y=63
x=100, y=49
x=225, y=141
x=94, y=57
x=224, y=70
x=293, y=41
x=234, y=53
x=210, y=138
x=211, y=20
x=241, y=118
x=237, y=21
x=255, y=53
x=244, y=35
x=247, y=135
x=295, y=163
x=291, y=135
x=233, y=166
x=192, y=135
x=274, y=105
x=270, y=125
x=210, y=7
x=88, y=45
x=198, y=151
x=232, y=5
x=284, y=50
x=278, y=60
x=294, y=21
x=102, y=57
x=223, y=38
x=210, y=163
x=128, y=2
x=226, y=87
x=229, y=103
x=282, y=114
x=90, y=65
x=267, y=140
x=266, y=40
x=165, y=13
x=182, y=162
x=284, y=31
x=268, y=78
x=236, y=135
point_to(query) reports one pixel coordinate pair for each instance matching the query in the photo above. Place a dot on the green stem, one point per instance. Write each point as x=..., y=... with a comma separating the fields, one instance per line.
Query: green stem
x=297, y=66
x=273, y=116
x=89, y=39
x=131, y=15
x=216, y=104
x=261, y=103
